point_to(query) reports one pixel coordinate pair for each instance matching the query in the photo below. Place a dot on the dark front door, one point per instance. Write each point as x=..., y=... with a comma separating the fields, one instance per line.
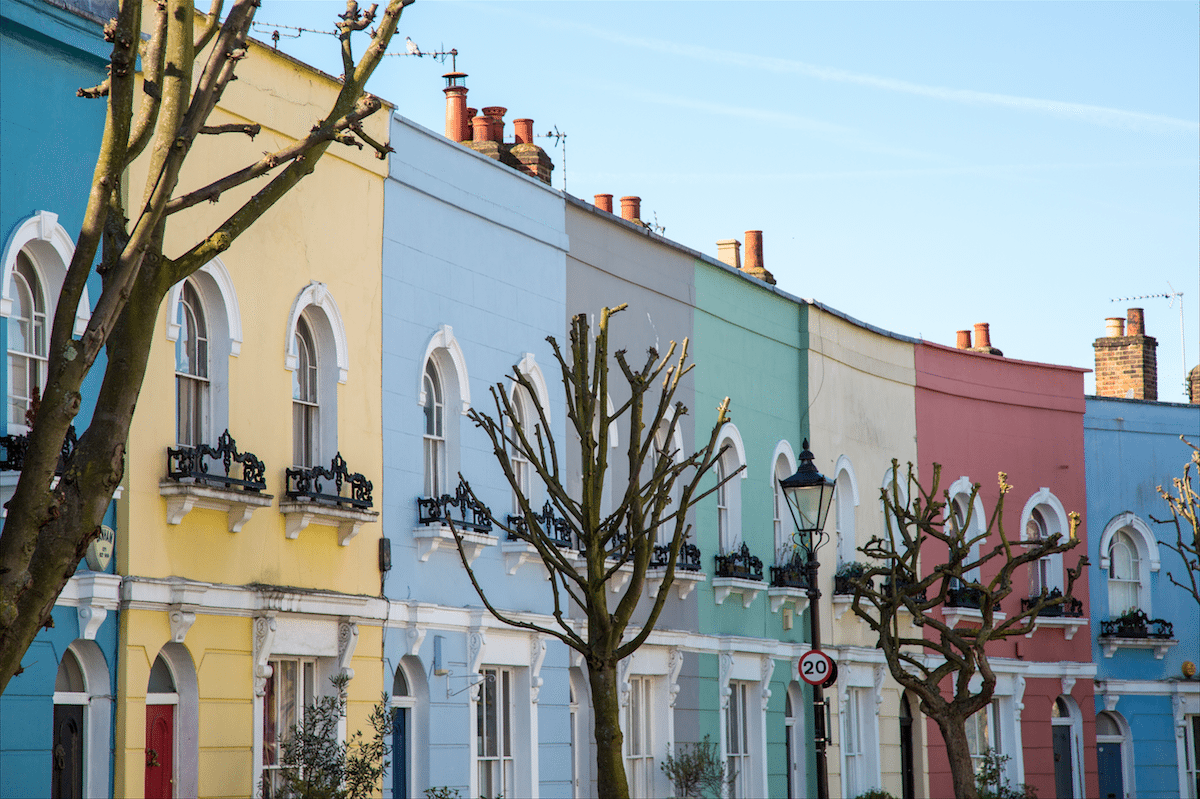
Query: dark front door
x=1064, y=785
x=1112, y=781
x=160, y=748
x=400, y=753
x=907, y=770
x=67, y=753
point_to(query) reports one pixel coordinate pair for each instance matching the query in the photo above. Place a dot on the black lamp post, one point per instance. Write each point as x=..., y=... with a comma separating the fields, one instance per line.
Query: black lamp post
x=810, y=495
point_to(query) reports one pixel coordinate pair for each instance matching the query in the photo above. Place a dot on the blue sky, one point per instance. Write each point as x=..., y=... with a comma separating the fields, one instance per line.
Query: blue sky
x=919, y=166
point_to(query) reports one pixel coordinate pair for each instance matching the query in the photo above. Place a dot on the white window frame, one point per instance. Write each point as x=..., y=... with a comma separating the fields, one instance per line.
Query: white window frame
x=846, y=498
x=50, y=249
x=503, y=763
x=324, y=319
x=738, y=739
x=1189, y=765
x=783, y=465
x=859, y=738
x=639, y=719
x=960, y=493
x=1045, y=512
x=729, y=496
x=795, y=741
x=526, y=416
x=985, y=727
x=1148, y=556
x=446, y=356
x=303, y=697
x=33, y=359
x=306, y=398
x=192, y=427
x=433, y=432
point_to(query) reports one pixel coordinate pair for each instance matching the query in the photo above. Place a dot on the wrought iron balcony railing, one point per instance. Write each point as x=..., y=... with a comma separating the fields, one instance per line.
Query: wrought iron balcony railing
x=15, y=447
x=458, y=509
x=192, y=463
x=555, y=527
x=902, y=587
x=740, y=563
x=964, y=596
x=1136, y=625
x=1072, y=608
x=688, y=560
x=792, y=573
x=309, y=484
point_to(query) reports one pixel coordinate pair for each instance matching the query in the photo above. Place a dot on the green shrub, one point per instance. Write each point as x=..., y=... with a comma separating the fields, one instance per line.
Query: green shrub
x=698, y=769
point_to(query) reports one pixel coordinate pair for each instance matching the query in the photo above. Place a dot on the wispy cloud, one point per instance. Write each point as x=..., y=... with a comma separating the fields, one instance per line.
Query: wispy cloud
x=1078, y=112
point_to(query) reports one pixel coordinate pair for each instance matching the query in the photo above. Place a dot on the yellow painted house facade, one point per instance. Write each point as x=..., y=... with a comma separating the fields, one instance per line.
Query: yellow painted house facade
x=243, y=596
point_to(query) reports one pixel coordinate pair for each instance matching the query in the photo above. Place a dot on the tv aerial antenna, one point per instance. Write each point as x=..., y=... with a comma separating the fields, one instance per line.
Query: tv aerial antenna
x=559, y=138
x=1170, y=297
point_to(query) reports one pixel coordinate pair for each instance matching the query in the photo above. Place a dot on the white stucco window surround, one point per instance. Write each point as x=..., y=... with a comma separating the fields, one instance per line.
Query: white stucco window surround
x=1145, y=554
x=846, y=501
x=51, y=248
x=782, y=466
x=647, y=687
x=83, y=682
x=729, y=494
x=1042, y=517
x=859, y=699
x=960, y=510
x=182, y=692
x=314, y=319
x=506, y=698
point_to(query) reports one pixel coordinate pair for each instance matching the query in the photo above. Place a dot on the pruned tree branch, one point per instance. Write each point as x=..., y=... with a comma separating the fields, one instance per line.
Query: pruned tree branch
x=233, y=127
x=1184, y=506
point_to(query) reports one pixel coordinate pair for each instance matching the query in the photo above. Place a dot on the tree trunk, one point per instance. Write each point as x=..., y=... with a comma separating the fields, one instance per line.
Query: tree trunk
x=606, y=707
x=958, y=751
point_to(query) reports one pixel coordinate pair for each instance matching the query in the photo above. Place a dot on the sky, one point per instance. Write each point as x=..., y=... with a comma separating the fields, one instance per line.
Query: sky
x=920, y=166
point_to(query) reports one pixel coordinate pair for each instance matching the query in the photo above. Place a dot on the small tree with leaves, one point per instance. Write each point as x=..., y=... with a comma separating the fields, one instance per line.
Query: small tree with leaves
x=939, y=665
x=647, y=523
x=1185, y=507
x=156, y=114
x=316, y=765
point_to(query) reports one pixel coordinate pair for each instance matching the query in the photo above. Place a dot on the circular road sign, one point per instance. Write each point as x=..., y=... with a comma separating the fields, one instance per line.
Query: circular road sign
x=816, y=667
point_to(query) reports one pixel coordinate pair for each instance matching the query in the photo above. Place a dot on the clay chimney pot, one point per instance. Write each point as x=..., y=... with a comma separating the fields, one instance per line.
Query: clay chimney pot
x=754, y=251
x=604, y=202
x=964, y=340
x=523, y=131
x=481, y=128
x=983, y=337
x=496, y=114
x=1114, y=326
x=631, y=208
x=1137, y=322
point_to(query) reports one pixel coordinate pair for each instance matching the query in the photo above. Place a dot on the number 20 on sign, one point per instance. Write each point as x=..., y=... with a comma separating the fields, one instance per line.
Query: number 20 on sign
x=815, y=667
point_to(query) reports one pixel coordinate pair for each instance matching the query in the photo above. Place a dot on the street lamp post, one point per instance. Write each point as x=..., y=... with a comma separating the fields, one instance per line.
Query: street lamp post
x=810, y=495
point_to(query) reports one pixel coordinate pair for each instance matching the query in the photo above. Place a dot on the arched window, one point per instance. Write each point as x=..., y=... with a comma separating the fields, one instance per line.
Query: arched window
x=846, y=496
x=1044, y=516
x=780, y=517
x=191, y=370
x=526, y=418
x=435, y=432
x=729, y=495
x=1124, y=574
x=962, y=514
x=306, y=406
x=27, y=342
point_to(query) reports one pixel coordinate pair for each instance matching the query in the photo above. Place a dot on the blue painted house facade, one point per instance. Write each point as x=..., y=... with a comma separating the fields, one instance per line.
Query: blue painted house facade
x=56, y=717
x=1144, y=628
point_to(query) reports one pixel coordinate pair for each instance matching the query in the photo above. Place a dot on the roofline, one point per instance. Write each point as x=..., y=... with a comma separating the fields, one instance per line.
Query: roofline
x=1081, y=370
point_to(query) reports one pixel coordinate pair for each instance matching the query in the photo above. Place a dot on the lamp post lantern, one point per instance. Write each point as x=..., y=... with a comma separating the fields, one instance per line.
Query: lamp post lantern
x=809, y=497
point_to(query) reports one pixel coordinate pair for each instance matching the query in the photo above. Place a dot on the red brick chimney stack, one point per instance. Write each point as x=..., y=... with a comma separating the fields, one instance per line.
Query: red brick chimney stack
x=1127, y=360
x=604, y=202
x=964, y=340
x=631, y=208
x=754, y=257
x=523, y=131
x=457, y=113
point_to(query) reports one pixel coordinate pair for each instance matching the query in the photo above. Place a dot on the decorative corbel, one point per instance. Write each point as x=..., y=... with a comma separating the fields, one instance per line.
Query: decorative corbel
x=1067, y=684
x=725, y=671
x=879, y=672
x=623, y=686
x=1018, y=696
x=1110, y=701
x=181, y=621
x=537, y=654
x=674, y=666
x=1177, y=710
x=264, y=641
x=767, y=669
x=475, y=642
x=347, y=642
x=90, y=619
x=415, y=636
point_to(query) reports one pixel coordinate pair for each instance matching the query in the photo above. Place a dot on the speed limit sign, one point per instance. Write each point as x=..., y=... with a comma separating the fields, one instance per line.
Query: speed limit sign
x=816, y=667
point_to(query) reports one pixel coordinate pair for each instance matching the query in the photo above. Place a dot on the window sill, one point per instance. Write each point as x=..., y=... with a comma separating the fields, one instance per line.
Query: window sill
x=1069, y=624
x=724, y=586
x=1160, y=645
x=299, y=514
x=237, y=505
x=952, y=616
x=431, y=537
x=781, y=595
x=684, y=581
x=518, y=553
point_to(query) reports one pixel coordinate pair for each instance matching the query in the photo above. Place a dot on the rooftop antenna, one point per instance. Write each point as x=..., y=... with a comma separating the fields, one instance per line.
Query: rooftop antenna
x=1170, y=298
x=559, y=137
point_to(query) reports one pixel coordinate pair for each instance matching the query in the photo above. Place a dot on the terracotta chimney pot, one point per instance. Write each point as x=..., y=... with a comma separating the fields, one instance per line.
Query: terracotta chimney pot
x=1137, y=322
x=481, y=128
x=523, y=131
x=1114, y=326
x=754, y=251
x=729, y=251
x=983, y=337
x=457, y=124
x=496, y=114
x=468, y=133
x=604, y=202
x=964, y=340
x=631, y=208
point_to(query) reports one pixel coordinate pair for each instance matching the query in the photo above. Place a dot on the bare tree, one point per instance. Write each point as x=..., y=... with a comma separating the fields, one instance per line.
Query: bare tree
x=1184, y=507
x=156, y=114
x=938, y=664
x=652, y=505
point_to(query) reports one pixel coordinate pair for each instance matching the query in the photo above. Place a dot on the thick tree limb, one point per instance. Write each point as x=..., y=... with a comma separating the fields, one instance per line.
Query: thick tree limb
x=233, y=127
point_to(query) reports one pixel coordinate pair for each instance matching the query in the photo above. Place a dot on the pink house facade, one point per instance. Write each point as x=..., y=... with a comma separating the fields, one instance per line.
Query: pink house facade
x=979, y=414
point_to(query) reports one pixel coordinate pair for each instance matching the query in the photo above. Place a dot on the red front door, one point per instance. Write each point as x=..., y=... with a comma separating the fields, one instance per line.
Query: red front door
x=160, y=746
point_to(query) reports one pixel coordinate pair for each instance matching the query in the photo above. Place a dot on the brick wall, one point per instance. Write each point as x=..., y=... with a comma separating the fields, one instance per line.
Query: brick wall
x=1127, y=365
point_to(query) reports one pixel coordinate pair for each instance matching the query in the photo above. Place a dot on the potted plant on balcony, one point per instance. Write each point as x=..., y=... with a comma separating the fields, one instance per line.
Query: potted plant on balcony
x=846, y=573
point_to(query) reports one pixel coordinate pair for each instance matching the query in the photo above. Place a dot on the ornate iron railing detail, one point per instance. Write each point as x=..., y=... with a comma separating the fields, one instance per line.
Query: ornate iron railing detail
x=740, y=563
x=1136, y=625
x=1072, y=608
x=792, y=573
x=191, y=463
x=555, y=527
x=964, y=596
x=459, y=509
x=16, y=446
x=308, y=484
x=902, y=587
x=688, y=560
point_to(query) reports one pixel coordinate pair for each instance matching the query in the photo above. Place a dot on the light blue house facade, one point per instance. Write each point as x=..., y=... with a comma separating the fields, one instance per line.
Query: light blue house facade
x=473, y=281
x=56, y=719
x=1147, y=710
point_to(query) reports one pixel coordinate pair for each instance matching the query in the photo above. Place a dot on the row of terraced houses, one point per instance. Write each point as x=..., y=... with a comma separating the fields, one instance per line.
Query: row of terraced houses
x=353, y=329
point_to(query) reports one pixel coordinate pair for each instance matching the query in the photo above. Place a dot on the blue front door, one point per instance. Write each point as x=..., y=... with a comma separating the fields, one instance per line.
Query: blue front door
x=1112, y=780
x=400, y=753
